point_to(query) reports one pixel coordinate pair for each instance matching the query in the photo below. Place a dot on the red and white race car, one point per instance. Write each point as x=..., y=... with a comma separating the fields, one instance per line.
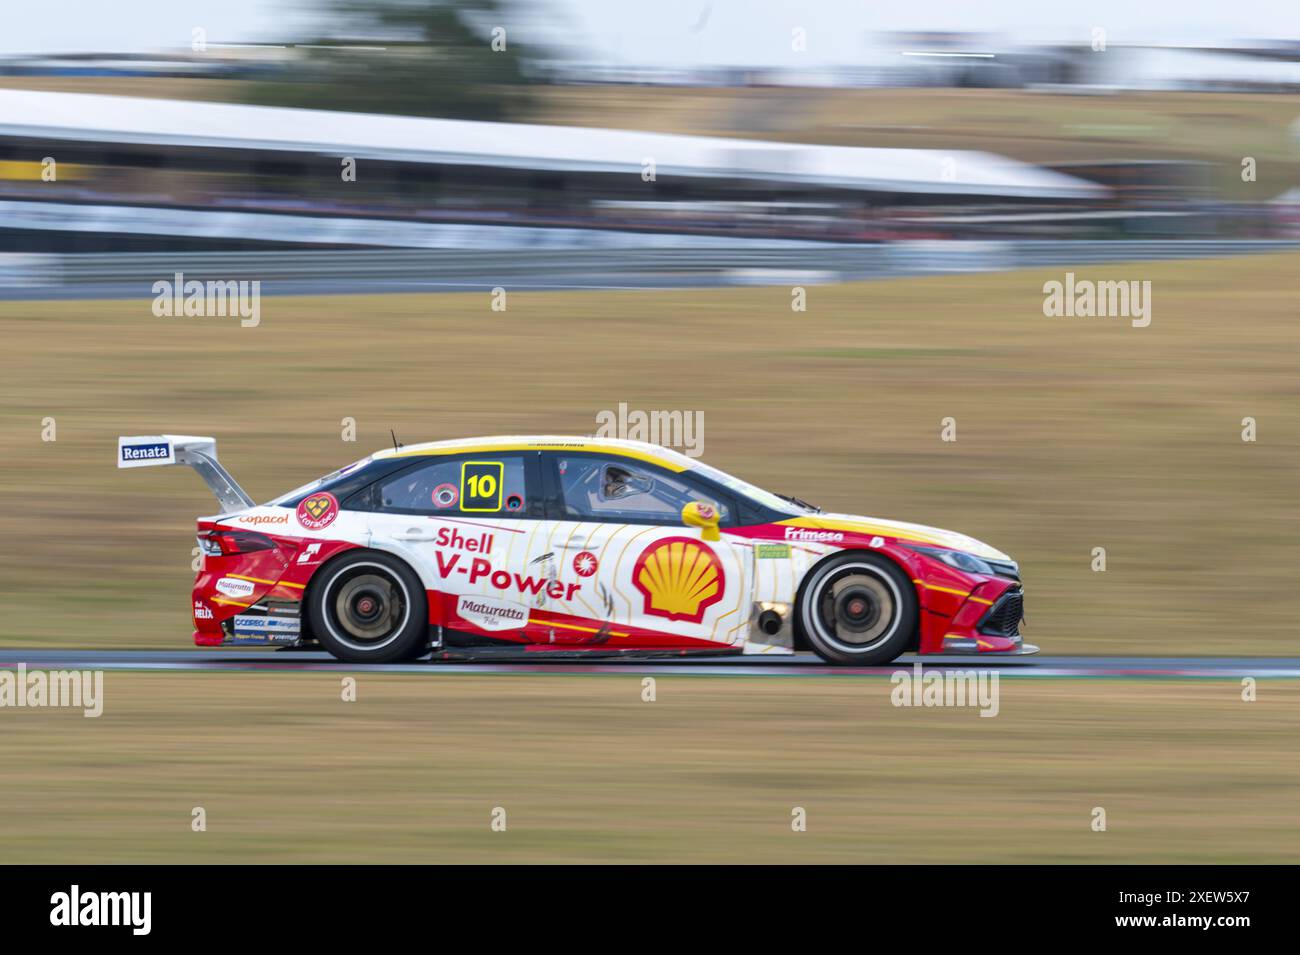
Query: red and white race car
x=550, y=545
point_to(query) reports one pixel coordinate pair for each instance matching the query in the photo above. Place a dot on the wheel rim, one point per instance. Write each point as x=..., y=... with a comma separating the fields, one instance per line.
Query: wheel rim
x=366, y=607
x=855, y=608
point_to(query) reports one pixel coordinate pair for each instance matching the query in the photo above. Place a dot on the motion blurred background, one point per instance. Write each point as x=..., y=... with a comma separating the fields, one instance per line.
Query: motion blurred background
x=758, y=125
x=650, y=185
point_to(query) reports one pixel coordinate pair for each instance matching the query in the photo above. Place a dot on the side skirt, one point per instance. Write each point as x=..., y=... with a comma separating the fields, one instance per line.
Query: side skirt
x=539, y=652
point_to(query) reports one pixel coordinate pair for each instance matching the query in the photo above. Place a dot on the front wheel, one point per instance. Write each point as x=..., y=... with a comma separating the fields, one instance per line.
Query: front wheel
x=369, y=608
x=858, y=609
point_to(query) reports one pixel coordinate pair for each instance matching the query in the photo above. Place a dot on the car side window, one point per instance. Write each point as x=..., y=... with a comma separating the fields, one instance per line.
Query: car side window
x=466, y=485
x=619, y=489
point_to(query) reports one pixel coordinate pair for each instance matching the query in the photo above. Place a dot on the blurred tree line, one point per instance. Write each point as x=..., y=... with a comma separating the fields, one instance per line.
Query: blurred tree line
x=443, y=58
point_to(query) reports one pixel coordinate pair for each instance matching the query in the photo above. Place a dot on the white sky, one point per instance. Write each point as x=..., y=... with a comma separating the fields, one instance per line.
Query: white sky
x=670, y=32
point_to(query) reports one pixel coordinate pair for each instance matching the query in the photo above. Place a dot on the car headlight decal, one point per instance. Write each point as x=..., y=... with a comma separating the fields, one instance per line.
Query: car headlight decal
x=958, y=559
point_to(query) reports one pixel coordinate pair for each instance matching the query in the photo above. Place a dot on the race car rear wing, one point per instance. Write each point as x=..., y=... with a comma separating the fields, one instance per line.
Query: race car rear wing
x=161, y=450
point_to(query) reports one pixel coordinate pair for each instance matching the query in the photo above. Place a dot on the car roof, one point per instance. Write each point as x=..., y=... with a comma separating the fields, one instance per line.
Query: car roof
x=638, y=450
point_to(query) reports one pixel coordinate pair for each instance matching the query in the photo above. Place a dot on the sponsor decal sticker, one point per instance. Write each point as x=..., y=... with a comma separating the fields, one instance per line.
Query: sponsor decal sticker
x=490, y=613
x=202, y=611
x=310, y=553
x=474, y=543
x=264, y=519
x=771, y=551
x=255, y=623
x=260, y=638
x=813, y=535
x=318, y=511
x=480, y=570
x=585, y=564
x=233, y=587
x=445, y=496
x=151, y=452
x=680, y=578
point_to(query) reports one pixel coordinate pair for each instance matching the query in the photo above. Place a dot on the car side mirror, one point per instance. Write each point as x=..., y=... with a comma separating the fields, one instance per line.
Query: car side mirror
x=705, y=516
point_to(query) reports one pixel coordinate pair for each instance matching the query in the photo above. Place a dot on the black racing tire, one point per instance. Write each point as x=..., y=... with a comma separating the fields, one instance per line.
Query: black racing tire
x=858, y=609
x=369, y=607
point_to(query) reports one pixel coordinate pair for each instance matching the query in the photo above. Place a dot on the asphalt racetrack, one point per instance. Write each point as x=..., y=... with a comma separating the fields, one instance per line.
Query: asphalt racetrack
x=802, y=664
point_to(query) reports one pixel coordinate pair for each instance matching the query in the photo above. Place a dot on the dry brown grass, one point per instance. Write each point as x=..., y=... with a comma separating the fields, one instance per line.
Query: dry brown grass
x=1072, y=433
x=711, y=771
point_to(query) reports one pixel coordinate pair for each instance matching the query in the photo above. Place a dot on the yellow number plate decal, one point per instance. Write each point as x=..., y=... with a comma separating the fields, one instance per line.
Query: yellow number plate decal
x=481, y=485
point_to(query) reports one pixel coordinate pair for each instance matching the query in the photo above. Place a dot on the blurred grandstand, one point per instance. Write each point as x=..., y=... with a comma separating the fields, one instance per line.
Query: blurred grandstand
x=143, y=173
x=146, y=175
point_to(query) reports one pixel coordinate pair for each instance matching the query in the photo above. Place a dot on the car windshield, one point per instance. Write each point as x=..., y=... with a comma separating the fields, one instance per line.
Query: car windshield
x=752, y=491
x=312, y=485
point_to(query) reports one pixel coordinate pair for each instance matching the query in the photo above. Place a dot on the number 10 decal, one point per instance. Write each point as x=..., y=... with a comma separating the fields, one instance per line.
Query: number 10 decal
x=480, y=485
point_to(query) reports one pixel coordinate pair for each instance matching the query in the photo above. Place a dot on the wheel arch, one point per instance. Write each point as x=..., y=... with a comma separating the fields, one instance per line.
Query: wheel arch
x=895, y=558
x=319, y=575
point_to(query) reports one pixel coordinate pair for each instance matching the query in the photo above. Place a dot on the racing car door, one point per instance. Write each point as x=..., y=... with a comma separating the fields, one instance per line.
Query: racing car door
x=647, y=579
x=470, y=524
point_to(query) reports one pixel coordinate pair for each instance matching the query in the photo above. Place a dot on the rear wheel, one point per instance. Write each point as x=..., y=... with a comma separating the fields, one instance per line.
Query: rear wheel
x=369, y=608
x=858, y=609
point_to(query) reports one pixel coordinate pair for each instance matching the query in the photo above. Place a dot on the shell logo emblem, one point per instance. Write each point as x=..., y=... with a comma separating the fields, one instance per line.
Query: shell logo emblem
x=680, y=578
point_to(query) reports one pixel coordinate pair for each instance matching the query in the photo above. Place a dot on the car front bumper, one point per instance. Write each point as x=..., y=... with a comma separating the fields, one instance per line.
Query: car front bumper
x=983, y=643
